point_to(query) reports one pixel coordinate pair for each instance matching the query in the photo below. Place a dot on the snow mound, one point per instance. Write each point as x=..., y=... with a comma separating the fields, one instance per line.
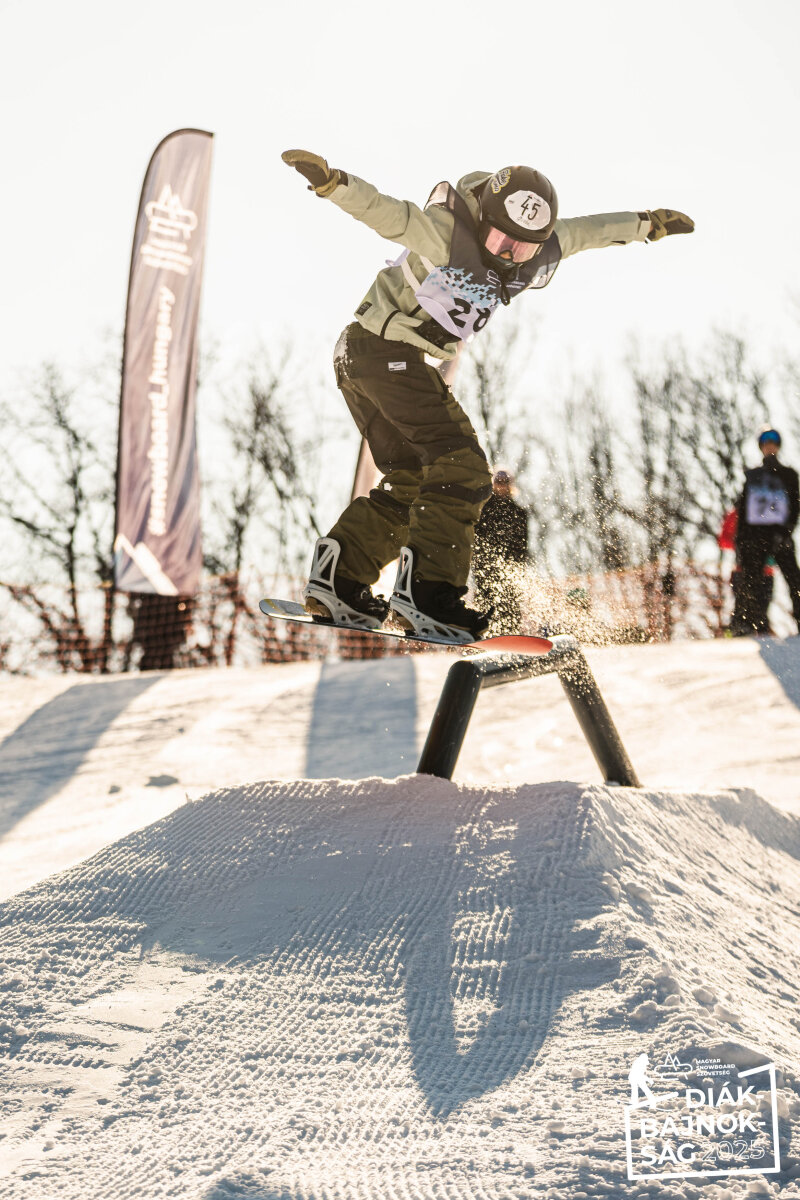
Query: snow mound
x=392, y=988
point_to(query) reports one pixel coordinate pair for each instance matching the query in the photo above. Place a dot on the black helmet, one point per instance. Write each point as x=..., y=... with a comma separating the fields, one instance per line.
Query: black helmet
x=768, y=434
x=521, y=202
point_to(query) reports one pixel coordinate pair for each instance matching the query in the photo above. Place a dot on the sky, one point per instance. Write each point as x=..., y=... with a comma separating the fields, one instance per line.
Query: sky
x=623, y=106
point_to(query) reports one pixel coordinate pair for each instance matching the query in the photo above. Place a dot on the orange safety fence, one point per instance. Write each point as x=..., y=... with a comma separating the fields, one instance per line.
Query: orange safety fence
x=98, y=630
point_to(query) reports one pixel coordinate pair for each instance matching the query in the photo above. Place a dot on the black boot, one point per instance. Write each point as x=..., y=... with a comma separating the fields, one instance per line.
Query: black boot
x=433, y=608
x=360, y=597
x=443, y=602
x=329, y=596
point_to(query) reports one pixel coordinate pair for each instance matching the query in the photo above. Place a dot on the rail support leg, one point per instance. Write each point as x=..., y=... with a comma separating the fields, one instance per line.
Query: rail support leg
x=595, y=721
x=449, y=725
x=466, y=678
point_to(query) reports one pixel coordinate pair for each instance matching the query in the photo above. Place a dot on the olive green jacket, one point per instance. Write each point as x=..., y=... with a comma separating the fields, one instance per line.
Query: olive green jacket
x=388, y=305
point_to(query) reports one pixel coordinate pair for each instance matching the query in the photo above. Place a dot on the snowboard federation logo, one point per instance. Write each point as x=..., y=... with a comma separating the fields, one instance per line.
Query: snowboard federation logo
x=728, y=1126
x=170, y=227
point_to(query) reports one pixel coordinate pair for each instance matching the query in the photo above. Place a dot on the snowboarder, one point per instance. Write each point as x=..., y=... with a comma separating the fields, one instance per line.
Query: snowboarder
x=768, y=509
x=640, y=1082
x=473, y=247
x=499, y=554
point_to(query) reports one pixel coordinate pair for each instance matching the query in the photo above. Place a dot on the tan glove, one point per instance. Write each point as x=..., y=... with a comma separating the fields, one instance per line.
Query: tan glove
x=322, y=179
x=666, y=221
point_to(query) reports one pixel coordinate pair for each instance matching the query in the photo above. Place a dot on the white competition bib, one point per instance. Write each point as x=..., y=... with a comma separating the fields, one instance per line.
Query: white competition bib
x=766, y=506
x=459, y=303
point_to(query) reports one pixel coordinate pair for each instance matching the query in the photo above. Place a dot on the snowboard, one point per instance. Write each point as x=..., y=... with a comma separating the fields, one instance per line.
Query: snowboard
x=290, y=610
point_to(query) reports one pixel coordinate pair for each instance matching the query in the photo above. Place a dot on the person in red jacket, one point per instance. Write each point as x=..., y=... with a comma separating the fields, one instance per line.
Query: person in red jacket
x=727, y=541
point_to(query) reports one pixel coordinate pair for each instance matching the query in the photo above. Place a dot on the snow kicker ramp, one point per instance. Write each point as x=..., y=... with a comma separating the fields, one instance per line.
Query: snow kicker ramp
x=405, y=989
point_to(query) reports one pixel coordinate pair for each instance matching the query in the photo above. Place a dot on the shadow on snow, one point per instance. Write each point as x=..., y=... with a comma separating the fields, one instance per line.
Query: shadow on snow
x=46, y=750
x=363, y=721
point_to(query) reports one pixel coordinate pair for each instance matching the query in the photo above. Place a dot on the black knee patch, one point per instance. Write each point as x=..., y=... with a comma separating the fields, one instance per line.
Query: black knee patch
x=471, y=495
x=387, y=500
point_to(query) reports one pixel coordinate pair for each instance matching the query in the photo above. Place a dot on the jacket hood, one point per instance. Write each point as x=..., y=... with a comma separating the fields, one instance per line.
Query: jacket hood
x=467, y=185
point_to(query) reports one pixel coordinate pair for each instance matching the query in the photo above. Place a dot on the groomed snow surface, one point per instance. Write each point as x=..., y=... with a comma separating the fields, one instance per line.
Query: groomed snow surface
x=277, y=964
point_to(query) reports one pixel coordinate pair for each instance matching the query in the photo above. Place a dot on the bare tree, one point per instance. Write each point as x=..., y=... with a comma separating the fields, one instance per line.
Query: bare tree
x=267, y=502
x=696, y=417
x=57, y=484
x=56, y=500
x=662, y=469
x=726, y=404
x=574, y=513
x=614, y=547
x=487, y=386
x=490, y=386
x=602, y=496
x=650, y=492
x=664, y=490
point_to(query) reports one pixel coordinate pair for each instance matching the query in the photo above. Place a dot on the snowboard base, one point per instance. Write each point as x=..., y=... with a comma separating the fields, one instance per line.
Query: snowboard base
x=290, y=610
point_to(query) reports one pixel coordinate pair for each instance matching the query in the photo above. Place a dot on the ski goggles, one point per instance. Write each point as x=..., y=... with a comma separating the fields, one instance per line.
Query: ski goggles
x=770, y=435
x=502, y=245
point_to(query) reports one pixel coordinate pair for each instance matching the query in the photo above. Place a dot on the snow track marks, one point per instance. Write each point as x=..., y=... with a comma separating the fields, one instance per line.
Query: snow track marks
x=387, y=989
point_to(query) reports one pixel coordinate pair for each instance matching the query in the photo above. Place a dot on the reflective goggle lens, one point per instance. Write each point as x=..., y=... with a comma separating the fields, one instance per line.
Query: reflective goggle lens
x=502, y=245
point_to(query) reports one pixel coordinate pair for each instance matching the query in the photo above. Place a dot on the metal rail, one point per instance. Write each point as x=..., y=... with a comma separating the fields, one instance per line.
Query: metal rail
x=468, y=676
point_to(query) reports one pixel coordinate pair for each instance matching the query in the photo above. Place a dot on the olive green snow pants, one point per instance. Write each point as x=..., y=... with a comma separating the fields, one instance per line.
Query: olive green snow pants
x=435, y=475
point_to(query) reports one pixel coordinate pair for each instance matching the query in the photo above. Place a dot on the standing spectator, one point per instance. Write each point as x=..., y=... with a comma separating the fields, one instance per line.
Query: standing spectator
x=161, y=626
x=499, y=555
x=768, y=509
x=727, y=541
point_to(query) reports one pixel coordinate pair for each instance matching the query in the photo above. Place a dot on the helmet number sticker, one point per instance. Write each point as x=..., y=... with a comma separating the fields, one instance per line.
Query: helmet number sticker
x=528, y=210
